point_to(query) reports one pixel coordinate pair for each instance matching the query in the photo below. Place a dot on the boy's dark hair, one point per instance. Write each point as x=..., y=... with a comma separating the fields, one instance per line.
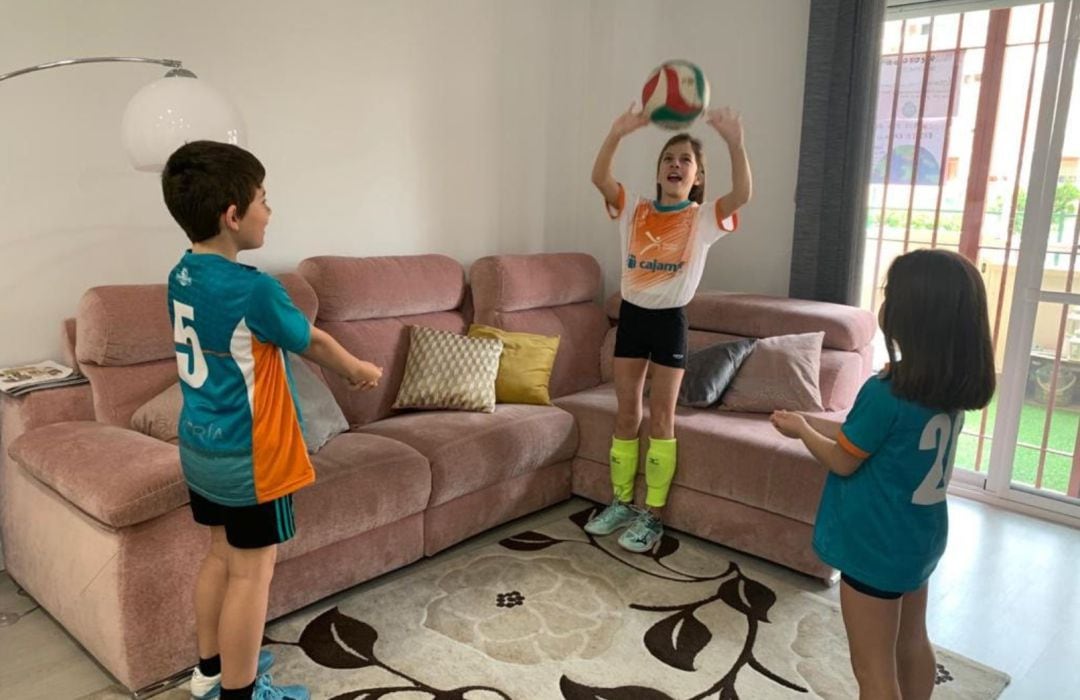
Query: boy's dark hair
x=935, y=311
x=202, y=179
x=697, y=192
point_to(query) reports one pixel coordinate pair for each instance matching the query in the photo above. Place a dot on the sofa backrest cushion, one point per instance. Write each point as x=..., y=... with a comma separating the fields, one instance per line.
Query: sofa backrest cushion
x=124, y=343
x=550, y=294
x=368, y=304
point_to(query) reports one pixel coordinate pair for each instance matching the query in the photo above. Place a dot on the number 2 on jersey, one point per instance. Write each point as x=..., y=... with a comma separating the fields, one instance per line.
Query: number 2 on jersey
x=192, y=367
x=942, y=433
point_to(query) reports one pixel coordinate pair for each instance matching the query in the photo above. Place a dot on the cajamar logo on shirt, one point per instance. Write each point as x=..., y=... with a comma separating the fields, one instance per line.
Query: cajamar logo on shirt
x=659, y=245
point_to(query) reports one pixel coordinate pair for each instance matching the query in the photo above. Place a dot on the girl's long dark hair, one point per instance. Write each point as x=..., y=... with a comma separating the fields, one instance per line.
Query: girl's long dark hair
x=935, y=311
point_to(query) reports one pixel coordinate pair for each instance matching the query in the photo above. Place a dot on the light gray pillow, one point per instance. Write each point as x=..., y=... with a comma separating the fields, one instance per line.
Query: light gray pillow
x=781, y=373
x=322, y=417
x=710, y=370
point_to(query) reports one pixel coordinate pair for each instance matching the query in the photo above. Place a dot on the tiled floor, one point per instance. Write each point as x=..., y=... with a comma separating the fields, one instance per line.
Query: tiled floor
x=1006, y=594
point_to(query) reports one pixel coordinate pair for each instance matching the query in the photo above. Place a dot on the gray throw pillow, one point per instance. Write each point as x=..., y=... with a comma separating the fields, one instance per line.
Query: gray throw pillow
x=710, y=370
x=322, y=417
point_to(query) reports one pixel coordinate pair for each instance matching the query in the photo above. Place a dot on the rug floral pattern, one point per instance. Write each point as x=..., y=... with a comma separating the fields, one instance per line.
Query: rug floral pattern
x=557, y=613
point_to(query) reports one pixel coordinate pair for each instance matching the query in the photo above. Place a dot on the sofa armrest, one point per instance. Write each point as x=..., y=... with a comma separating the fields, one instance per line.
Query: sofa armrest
x=758, y=316
x=29, y=411
x=117, y=476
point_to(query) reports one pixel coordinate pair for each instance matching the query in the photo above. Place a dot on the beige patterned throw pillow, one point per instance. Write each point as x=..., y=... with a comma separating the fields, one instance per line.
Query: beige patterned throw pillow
x=447, y=370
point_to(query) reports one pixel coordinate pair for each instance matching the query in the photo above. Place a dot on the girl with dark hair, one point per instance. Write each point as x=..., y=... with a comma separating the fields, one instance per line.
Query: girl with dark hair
x=883, y=521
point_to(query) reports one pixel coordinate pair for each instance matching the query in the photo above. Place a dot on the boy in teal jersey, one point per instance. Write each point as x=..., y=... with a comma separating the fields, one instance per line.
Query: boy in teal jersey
x=241, y=448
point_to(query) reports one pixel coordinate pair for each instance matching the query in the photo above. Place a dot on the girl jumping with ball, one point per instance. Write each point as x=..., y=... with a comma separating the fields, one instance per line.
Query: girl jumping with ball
x=664, y=244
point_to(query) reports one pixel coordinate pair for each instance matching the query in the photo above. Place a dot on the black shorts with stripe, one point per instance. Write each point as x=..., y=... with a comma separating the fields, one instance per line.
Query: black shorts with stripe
x=248, y=527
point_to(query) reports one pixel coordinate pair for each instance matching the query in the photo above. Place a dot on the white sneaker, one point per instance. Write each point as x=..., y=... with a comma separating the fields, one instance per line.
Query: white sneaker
x=209, y=687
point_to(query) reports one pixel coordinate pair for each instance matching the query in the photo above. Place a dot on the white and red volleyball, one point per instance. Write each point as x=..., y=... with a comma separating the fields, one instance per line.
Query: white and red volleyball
x=675, y=94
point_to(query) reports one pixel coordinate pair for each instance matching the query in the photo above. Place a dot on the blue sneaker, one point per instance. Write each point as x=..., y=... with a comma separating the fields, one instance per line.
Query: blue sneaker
x=209, y=687
x=266, y=690
x=643, y=535
x=615, y=516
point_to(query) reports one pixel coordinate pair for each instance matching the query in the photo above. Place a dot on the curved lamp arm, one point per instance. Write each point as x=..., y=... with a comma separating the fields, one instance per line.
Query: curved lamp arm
x=170, y=62
x=166, y=113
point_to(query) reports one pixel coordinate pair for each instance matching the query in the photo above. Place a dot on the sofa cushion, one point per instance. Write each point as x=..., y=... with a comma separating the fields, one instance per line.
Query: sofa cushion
x=524, y=365
x=367, y=305
x=842, y=372
x=124, y=343
x=448, y=370
x=738, y=456
x=321, y=416
x=757, y=316
x=549, y=294
x=355, y=289
x=710, y=370
x=782, y=372
x=469, y=451
x=362, y=482
x=117, y=476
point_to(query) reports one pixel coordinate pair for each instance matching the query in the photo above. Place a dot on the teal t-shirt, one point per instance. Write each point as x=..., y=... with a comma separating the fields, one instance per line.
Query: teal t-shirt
x=240, y=436
x=886, y=524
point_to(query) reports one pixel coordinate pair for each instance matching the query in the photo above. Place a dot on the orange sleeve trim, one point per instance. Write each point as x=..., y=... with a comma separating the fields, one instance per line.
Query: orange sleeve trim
x=726, y=223
x=850, y=448
x=615, y=211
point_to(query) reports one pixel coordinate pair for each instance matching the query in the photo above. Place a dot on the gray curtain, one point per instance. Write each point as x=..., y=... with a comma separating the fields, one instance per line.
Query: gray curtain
x=842, y=61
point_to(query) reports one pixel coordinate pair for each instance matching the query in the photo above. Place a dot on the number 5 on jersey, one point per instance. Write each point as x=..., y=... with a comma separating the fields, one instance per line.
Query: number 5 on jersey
x=192, y=364
x=942, y=433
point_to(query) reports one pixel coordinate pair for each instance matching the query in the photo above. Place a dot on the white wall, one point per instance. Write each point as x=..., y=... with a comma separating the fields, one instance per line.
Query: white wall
x=387, y=127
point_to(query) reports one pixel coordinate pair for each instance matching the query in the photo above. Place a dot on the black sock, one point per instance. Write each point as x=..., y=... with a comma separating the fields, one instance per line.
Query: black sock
x=211, y=666
x=244, y=693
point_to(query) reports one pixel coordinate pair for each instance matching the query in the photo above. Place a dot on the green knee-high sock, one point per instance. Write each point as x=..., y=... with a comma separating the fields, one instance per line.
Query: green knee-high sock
x=659, y=471
x=624, y=463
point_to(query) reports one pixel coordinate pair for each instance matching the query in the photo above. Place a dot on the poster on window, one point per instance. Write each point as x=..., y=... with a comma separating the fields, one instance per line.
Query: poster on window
x=904, y=167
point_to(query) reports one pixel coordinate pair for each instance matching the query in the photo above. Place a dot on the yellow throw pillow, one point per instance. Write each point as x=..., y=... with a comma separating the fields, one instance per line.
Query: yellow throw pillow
x=524, y=366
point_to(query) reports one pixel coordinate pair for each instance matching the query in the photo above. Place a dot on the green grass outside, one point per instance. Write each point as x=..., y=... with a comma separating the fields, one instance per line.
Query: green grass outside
x=1056, y=469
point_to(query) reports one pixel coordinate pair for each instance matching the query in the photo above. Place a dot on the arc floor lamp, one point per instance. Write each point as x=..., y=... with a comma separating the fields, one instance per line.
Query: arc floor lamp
x=166, y=113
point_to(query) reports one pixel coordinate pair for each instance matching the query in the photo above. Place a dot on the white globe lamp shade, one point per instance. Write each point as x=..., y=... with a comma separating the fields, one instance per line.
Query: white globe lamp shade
x=175, y=110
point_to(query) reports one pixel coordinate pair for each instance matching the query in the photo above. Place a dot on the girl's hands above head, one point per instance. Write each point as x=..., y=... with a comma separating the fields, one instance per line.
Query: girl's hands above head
x=629, y=121
x=727, y=122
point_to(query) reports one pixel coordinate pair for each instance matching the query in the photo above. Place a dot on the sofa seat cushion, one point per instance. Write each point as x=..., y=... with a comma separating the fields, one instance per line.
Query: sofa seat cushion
x=470, y=451
x=738, y=456
x=362, y=482
x=115, y=475
x=121, y=478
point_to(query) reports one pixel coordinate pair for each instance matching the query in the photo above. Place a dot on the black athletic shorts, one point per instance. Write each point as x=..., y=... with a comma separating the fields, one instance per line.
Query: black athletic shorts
x=867, y=589
x=248, y=527
x=653, y=334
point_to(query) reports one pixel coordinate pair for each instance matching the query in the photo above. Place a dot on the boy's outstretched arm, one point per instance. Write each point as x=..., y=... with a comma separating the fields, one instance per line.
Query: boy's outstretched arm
x=728, y=124
x=329, y=353
x=626, y=123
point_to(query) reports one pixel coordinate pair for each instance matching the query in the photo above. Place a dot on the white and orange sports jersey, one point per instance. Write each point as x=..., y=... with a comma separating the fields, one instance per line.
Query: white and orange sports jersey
x=240, y=437
x=664, y=248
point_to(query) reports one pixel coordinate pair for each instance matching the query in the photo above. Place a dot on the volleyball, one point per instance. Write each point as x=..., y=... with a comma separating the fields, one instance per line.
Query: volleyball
x=675, y=94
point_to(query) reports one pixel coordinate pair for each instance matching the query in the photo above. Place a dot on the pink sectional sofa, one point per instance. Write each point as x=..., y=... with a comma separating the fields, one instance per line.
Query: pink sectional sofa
x=739, y=482
x=94, y=518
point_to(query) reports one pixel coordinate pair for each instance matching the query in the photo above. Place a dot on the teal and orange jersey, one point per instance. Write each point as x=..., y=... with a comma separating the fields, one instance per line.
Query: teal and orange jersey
x=886, y=525
x=240, y=438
